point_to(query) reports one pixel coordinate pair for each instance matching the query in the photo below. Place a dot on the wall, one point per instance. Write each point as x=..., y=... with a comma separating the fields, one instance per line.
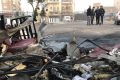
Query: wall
x=1, y=5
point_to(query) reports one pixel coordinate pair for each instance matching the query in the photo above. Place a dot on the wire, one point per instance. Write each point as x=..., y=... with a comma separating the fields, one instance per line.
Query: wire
x=88, y=40
x=98, y=45
x=45, y=66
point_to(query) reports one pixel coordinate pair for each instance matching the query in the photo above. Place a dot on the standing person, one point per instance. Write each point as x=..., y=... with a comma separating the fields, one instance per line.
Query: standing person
x=92, y=15
x=89, y=15
x=102, y=12
x=97, y=14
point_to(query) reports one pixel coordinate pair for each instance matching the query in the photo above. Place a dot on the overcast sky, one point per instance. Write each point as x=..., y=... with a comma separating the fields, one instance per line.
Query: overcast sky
x=80, y=5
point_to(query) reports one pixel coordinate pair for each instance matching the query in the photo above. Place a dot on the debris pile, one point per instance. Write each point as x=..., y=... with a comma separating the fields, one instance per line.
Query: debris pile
x=58, y=60
x=43, y=63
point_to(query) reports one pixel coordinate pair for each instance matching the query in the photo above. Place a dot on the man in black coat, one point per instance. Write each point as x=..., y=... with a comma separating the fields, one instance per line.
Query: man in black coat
x=89, y=15
x=92, y=15
x=97, y=14
x=102, y=12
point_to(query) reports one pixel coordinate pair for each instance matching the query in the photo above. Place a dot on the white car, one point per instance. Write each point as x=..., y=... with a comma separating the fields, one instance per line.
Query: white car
x=117, y=18
x=67, y=18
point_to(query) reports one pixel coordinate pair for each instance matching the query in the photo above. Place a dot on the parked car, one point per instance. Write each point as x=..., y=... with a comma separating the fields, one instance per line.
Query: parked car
x=117, y=18
x=67, y=18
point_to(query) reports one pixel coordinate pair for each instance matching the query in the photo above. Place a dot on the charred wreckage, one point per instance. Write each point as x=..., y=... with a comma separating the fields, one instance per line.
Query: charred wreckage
x=23, y=57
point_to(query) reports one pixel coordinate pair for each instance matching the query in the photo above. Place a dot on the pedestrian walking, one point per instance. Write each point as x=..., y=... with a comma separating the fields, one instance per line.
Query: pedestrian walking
x=102, y=12
x=89, y=15
x=97, y=14
x=92, y=15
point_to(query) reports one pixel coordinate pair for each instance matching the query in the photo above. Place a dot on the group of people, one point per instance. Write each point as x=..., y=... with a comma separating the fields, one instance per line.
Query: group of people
x=95, y=12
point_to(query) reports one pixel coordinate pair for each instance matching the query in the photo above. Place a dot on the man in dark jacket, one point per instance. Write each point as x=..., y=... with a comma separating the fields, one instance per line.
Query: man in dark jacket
x=89, y=15
x=92, y=14
x=97, y=13
x=102, y=12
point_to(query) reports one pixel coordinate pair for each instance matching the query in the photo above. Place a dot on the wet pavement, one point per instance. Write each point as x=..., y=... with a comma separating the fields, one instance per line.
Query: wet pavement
x=107, y=33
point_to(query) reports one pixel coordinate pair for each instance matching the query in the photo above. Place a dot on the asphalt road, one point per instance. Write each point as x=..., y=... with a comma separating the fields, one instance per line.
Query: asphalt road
x=108, y=32
x=83, y=30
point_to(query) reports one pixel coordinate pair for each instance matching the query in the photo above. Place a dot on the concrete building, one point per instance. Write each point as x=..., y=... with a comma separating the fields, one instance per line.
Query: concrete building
x=96, y=4
x=0, y=6
x=117, y=4
x=108, y=9
x=8, y=7
x=60, y=10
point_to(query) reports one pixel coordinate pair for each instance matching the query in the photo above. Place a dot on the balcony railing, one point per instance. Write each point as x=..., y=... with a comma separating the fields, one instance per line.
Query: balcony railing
x=67, y=13
x=54, y=12
x=66, y=1
x=53, y=1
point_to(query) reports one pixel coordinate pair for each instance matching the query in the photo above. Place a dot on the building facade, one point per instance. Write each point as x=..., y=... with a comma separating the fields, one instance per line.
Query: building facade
x=117, y=5
x=97, y=4
x=59, y=9
x=108, y=9
x=67, y=8
x=8, y=7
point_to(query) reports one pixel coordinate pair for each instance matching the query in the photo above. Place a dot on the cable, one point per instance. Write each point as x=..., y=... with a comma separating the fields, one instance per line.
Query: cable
x=98, y=45
x=45, y=66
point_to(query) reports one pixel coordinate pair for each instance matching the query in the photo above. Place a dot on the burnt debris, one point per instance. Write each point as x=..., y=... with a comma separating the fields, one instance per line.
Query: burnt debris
x=26, y=58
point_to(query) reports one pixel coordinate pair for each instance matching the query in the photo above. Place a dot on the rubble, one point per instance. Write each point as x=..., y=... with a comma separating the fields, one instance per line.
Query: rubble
x=60, y=61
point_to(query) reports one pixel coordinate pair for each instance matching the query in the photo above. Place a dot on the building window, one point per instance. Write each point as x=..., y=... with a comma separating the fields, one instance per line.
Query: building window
x=5, y=7
x=57, y=8
x=66, y=0
x=54, y=0
x=4, y=1
x=51, y=8
x=14, y=1
x=63, y=8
